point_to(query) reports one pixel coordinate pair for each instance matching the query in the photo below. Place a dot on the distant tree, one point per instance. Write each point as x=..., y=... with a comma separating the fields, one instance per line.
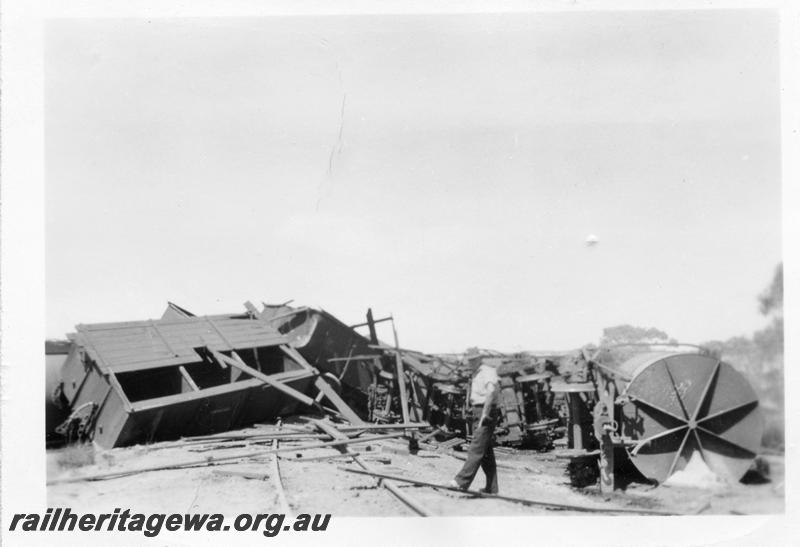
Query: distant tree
x=760, y=358
x=770, y=301
x=615, y=339
x=769, y=340
x=714, y=348
x=628, y=334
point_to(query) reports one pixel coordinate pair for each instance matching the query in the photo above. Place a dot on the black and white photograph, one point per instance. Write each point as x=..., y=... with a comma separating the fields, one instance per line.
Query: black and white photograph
x=316, y=264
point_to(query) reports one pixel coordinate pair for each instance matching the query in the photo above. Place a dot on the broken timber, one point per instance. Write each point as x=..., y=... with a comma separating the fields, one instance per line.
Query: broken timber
x=539, y=503
x=346, y=455
x=327, y=344
x=225, y=360
x=253, y=439
x=212, y=461
x=324, y=387
x=367, y=427
x=243, y=474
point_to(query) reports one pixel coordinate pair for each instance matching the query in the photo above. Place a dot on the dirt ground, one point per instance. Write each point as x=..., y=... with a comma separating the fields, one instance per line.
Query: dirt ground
x=251, y=484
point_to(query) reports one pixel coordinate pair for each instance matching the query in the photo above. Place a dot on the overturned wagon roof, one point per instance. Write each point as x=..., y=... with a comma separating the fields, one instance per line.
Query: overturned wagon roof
x=138, y=345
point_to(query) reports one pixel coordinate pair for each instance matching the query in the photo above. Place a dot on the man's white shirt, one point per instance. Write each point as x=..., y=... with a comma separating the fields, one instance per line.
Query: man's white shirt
x=484, y=381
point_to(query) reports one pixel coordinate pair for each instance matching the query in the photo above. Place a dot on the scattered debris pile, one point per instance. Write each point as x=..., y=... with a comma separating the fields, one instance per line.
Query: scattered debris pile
x=186, y=375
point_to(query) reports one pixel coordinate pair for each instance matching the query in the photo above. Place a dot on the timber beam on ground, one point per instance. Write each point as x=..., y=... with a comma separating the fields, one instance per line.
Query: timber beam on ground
x=227, y=458
x=389, y=485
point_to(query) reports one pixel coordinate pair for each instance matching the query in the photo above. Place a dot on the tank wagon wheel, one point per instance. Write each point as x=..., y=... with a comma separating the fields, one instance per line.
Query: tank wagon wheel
x=684, y=403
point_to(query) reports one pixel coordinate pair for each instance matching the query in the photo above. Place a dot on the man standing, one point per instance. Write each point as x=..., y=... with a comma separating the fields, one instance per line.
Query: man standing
x=483, y=396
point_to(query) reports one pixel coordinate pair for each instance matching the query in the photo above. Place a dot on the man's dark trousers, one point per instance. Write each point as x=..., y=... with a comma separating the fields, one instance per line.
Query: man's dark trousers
x=480, y=453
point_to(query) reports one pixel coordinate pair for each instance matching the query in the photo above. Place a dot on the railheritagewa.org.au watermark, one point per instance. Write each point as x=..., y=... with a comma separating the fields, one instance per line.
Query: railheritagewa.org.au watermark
x=63, y=519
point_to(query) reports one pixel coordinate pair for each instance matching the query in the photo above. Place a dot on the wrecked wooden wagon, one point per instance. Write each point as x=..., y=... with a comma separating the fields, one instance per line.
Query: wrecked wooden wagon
x=147, y=381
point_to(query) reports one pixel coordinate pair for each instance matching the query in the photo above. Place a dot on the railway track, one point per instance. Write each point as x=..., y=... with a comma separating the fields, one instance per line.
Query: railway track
x=277, y=482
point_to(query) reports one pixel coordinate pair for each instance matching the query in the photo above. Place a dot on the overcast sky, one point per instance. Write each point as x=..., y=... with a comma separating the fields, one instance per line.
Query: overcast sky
x=447, y=169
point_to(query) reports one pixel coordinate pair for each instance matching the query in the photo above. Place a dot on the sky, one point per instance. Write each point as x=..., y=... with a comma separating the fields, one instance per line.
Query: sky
x=446, y=169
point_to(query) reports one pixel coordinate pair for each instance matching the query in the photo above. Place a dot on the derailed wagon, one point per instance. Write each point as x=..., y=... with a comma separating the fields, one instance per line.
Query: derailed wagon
x=662, y=407
x=649, y=414
x=146, y=381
